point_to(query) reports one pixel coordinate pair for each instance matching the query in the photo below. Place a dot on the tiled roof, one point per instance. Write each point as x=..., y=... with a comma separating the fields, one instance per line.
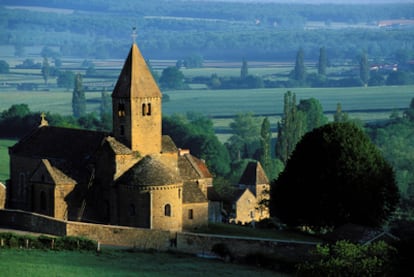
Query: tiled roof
x=54, y=175
x=168, y=144
x=192, y=168
x=150, y=171
x=135, y=79
x=118, y=147
x=68, y=150
x=253, y=175
x=192, y=193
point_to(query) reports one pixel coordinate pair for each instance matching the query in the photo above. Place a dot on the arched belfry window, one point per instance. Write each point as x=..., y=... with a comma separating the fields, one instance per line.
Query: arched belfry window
x=121, y=109
x=167, y=210
x=149, y=109
x=146, y=109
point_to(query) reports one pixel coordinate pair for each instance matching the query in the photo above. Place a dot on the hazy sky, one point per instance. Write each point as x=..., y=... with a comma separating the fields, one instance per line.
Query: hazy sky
x=324, y=1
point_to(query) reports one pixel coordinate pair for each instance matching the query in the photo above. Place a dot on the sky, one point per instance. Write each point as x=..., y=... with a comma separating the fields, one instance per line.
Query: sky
x=324, y=1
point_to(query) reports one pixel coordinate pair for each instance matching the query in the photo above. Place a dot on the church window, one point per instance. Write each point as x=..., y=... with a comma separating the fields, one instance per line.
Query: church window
x=167, y=210
x=251, y=214
x=43, y=203
x=144, y=108
x=121, y=109
x=122, y=130
x=179, y=193
x=149, y=109
x=190, y=214
x=132, y=211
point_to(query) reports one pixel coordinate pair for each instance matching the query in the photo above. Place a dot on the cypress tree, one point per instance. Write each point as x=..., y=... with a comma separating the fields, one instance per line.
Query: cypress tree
x=364, y=69
x=78, y=98
x=300, y=71
x=244, y=71
x=322, y=61
x=265, y=138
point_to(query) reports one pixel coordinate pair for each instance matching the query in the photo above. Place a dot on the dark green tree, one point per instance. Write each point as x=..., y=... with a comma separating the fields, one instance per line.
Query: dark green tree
x=65, y=79
x=246, y=135
x=105, y=110
x=300, y=70
x=409, y=113
x=4, y=67
x=339, y=115
x=172, y=78
x=313, y=112
x=364, y=69
x=78, y=98
x=45, y=70
x=290, y=129
x=336, y=175
x=322, y=61
x=265, y=140
x=244, y=71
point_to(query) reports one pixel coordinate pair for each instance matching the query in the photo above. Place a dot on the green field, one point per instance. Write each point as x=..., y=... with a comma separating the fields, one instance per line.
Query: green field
x=18, y=262
x=4, y=158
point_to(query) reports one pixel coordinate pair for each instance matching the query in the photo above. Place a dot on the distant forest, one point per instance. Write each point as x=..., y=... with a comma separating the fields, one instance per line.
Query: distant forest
x=213, y=30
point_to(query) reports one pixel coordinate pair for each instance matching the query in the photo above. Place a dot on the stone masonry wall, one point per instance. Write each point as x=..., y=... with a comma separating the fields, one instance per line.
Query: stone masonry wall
x=155, y=239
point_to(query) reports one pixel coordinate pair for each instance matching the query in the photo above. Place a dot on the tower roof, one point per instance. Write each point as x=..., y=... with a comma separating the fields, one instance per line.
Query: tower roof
x=253, y=175
x=135, y=80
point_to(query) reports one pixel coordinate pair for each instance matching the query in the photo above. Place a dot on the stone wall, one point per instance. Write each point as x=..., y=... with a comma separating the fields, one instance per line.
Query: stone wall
x=140, y=238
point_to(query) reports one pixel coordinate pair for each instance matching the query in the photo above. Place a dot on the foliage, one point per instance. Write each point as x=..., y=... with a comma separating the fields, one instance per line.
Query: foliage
x=299, y=73
x=65, y=79
x=244, y=71
x=12, y=240
x=195, y=132
x=45, y=70
x=172, y=78
x=323, y=60
x=348, y=259
x=364, y=69
x=105, y=111
x=4, y=67
x=339, y=115
x=290, y=129
x=313, y=112
x=351, y=182
x=245, y=141
x=78, y=98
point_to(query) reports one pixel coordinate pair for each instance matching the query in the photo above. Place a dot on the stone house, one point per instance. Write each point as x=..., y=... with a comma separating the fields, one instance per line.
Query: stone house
x=252, y=190
x=134, y=176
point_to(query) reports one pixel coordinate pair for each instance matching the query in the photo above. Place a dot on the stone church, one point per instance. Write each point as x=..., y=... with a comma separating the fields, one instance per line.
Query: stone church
x=133, y=176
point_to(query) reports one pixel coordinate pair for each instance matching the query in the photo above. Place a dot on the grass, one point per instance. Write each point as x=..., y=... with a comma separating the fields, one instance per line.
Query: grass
x=20, y=262
x=245, y=231
x=4, y=158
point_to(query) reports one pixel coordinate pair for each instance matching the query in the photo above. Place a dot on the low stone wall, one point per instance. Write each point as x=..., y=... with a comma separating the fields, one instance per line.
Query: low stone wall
x=242, y=246
x=121, y=235
x=36, y=223
x=155, y=239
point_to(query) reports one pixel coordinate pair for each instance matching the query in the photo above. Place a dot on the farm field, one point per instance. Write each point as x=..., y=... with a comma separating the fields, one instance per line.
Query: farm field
x=15, y=262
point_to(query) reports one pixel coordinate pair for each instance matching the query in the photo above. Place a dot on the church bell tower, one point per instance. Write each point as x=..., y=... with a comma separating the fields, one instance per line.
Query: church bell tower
x=136, y=106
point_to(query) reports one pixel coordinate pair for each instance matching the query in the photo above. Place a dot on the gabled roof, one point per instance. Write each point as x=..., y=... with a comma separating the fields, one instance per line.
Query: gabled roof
x=118, y=147
x=135, y=80
x=46, y=173
x=150, y=171
x=192, y=193
x=253, y=175
x=239, y=193
x=192, y=168
x=69, y=150
x=168, y=144
x=59, y=143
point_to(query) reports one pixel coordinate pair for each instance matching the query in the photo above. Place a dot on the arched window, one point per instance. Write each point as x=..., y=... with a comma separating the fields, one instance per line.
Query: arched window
x=190, y=214
x=167, y=210
x=121, y=109
x=43, y=203
x=144, y=108
x=179, y=193
x=149, y=109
